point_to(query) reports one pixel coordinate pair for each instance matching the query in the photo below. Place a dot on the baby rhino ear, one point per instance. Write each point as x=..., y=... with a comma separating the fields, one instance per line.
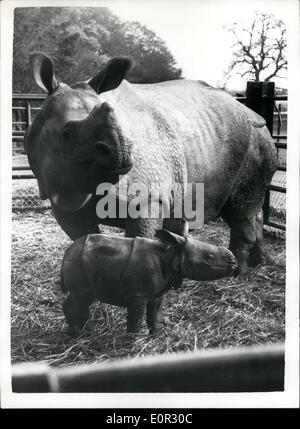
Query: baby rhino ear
x=170, y=238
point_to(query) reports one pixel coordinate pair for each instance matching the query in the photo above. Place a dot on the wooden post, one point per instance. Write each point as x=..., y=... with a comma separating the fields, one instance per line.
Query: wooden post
x=268, y=104
x=254, y=94
x=28, y=110
x=279, y=123
x=260, y=98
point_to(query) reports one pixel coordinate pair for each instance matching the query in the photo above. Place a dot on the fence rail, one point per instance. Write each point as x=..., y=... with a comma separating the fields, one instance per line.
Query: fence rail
x=259, y=97
x=244, y=369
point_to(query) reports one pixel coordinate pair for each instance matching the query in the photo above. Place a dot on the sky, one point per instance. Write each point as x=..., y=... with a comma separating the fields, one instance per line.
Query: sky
x=193, y=30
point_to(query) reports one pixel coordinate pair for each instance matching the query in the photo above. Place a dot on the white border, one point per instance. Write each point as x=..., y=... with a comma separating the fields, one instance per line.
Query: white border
x=292, y=204
x=287, y=399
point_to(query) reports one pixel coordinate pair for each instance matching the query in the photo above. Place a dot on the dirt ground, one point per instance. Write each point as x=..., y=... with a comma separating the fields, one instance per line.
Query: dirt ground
x=219, y=314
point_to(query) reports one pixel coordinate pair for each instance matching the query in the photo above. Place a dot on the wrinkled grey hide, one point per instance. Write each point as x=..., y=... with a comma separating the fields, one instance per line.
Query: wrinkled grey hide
x=180, y=131
x=135, y=273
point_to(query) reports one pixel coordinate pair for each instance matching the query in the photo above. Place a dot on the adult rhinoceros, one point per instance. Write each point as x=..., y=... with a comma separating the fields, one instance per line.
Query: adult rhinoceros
x=178, y=131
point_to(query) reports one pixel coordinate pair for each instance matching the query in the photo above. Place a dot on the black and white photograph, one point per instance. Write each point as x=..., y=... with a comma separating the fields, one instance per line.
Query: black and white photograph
x=150, y=204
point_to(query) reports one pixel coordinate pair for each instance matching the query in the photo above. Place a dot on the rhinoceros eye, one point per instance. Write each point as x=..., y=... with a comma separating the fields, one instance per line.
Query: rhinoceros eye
x=211, y=258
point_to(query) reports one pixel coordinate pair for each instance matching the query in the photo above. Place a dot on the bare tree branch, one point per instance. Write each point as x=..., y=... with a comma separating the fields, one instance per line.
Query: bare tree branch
x=260, y=48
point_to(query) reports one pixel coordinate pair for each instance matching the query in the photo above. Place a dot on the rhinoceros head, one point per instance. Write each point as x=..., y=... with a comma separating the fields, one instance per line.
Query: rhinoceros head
x=199, y=260
x=74, y=142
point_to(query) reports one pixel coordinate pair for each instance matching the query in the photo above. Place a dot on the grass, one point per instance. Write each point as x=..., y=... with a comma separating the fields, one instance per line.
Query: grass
x=220, y=314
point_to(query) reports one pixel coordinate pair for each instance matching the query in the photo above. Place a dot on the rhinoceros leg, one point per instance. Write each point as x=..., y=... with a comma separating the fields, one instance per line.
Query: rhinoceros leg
x=154, y=314
x=242, y=211
x=176, y=225
x=242, y=238
x=142, y=227
x=257, y=254
x=136, y=309
x=246, y=237
x=241, y=221
x=149, y=221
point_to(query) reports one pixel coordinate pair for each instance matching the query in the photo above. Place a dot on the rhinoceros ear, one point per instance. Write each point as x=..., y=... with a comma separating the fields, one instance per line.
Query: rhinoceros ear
x=185, y=228
x=112, y=75
x=42, y=68
x=171, y=238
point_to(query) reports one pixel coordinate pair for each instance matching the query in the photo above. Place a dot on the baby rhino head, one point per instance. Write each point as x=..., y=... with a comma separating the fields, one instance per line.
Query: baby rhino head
x=199, y=260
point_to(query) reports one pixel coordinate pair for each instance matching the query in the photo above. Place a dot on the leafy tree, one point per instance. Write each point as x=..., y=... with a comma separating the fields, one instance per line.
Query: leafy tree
x=29, y=32
x=154, y=62
x=259, y=51
x=81, y=40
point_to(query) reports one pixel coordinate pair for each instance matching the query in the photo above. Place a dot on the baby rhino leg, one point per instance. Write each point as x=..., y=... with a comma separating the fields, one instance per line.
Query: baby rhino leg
x=76, y=305
x=154, y=316
x=136, y=309
x=76, y=312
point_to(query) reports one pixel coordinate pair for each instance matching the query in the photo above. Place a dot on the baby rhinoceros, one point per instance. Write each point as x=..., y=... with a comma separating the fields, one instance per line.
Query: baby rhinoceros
x=135, y=273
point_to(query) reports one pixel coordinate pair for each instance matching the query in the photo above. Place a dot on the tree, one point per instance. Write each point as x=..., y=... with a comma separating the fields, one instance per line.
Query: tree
x=154, y=62
x=259, y=50
x=29, y=35
x=81, y=40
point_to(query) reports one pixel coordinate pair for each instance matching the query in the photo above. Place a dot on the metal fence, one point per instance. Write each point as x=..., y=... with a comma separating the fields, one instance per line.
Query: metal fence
x=25, y=193
x=277, y=195
x=259, y=96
